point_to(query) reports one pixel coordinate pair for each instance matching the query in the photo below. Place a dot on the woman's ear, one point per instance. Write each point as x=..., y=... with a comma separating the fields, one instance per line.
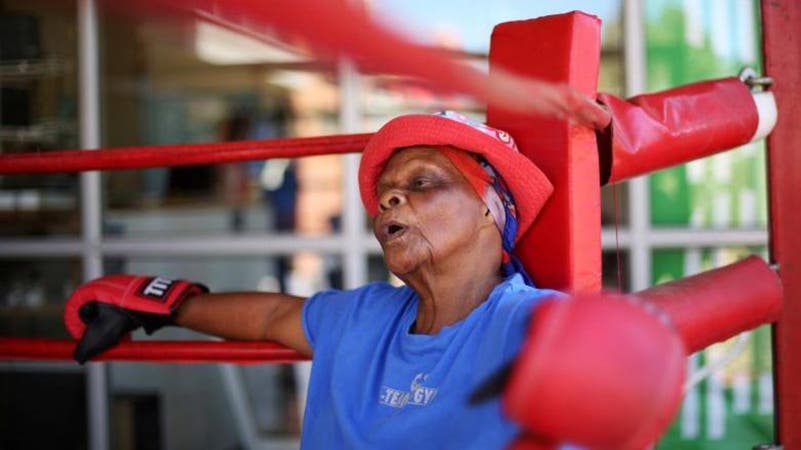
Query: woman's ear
x=488, y=217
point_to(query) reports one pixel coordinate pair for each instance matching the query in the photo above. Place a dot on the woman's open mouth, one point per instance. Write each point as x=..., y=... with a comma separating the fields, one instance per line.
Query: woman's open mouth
x=392, y=231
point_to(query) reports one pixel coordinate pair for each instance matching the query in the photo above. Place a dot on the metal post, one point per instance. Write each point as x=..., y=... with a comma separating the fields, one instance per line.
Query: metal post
x=353, y=229
x=89, y=105
x=781, y=41
x=639, y=207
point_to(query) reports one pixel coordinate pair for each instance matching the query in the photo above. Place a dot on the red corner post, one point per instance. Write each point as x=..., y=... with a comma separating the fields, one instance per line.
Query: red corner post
x=782, y=41
x=563, y=248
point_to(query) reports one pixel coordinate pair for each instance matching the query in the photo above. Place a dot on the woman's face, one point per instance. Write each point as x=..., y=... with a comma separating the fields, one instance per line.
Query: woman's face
x=429, y=216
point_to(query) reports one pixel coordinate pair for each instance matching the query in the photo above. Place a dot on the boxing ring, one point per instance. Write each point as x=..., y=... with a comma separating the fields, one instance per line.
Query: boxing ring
x=641, y=138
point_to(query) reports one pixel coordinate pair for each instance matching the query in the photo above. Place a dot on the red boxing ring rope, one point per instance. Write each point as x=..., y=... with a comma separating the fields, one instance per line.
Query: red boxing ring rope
x=122, y=158
x=239, y=352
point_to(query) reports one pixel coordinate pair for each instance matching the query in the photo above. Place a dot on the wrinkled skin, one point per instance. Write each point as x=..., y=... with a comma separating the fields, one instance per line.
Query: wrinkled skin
x=436, y=235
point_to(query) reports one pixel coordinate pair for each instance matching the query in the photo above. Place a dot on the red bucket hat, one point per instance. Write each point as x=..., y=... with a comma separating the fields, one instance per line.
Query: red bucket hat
x=529, y=186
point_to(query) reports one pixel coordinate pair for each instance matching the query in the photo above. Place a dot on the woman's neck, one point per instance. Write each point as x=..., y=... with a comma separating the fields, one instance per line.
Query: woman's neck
x=449, y=296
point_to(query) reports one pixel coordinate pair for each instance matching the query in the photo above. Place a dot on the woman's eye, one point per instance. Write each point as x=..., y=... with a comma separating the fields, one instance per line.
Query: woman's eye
x=419, y=182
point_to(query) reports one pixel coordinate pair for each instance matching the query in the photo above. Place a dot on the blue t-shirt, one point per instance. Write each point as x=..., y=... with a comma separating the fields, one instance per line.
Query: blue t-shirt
x=375, y=385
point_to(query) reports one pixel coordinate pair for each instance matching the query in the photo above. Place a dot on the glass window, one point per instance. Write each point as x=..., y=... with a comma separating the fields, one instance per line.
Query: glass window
x=206, y=405
x=302, y=273
x=38, y=114
x=727, y=190
x=33, y=293
x=188, y=81
x=687, y=42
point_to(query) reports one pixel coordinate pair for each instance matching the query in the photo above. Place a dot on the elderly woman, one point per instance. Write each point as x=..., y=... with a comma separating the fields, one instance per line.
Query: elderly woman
x=393, y=367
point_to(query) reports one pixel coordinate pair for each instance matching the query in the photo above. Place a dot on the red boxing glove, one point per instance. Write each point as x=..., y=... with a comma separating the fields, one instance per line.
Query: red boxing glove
x=102, y=311
x=601, y=371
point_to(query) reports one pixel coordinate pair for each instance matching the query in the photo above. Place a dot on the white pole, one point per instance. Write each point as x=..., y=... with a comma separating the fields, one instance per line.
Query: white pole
x=355, y=254
x=639, y=207
x=89, y=106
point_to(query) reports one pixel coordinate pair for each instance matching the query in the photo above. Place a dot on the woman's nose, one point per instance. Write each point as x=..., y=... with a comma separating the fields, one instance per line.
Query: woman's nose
x=390, y=199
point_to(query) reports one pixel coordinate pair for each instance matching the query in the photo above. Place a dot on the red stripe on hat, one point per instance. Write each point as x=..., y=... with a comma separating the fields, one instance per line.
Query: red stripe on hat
x=478, y=178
